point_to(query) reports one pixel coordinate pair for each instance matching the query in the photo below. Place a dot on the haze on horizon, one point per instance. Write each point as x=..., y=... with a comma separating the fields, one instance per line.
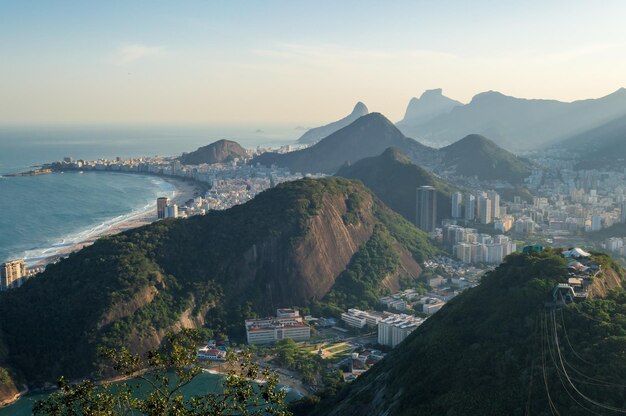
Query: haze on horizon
x=279, y=61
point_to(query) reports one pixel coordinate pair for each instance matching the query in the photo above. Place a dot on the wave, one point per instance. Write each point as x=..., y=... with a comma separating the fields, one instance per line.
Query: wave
x=92, y=232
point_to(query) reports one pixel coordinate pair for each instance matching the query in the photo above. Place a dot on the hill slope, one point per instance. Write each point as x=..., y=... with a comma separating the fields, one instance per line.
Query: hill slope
x=288, y=246
x=475, y=155
x=394, y=179
x=217, y=152
x=486, y=351
x=517, y=123
x=431, y=104
x=368, y=136
x=603, y=146
x=318, y=133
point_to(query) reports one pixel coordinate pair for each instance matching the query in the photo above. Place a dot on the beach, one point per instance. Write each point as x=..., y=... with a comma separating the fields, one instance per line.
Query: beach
x=183, y=191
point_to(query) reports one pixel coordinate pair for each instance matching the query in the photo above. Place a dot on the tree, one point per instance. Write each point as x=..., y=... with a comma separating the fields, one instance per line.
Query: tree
x=169, y=369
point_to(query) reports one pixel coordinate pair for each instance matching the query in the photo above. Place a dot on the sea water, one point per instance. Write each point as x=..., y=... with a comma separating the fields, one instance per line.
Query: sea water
x=40, y=215
x=201, y=385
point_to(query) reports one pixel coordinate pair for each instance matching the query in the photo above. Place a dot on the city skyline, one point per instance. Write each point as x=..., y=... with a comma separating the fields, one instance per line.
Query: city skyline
x=140, y=62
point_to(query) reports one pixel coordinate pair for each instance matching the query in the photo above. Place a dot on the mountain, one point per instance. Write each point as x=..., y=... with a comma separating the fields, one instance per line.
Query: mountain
x=475, y=155
x=368, y=136
x=430, y=104
x=326, y=243
x=517, y=123
x=218, y=152
x=497, y=350
x=394, y=179
x=318, y=133
x=603, y=146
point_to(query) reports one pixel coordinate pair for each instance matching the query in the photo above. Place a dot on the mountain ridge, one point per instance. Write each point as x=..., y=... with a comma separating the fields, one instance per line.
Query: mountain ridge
x=429, y=105
x=476, y=155
x=217, y=152
x=368, y=136
x=519, y=123
x=291, y=245
x=482, y=353
x=393, y=177
x=317, y=133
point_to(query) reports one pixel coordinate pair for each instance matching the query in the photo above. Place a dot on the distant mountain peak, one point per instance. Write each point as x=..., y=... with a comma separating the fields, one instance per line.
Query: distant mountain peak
x=217, y=152
x=360, y=109
x=488, y=96
x=393, y=153
x=430, y=104
x=367, y=136
x=318, y=133
x=436, y=92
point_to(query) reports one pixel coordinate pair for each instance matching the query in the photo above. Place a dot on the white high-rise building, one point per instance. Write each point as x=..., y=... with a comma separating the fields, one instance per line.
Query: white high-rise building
x=495, y=204
x=394, y=329
x=457, y=201
x=470, y=207
x=171, y=211
x=484, y=209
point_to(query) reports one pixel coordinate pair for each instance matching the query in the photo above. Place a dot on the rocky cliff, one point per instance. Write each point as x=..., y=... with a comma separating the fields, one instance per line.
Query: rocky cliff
x=287, y=247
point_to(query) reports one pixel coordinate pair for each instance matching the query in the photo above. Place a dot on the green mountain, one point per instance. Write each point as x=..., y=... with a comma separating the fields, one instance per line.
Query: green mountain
x=475, y=155
x=318, y=133
x=326, y=243
x=517, y=123
x=217, y=152
x=600, y=147
x=394, y=179
x=497, y=350
x=368, y=136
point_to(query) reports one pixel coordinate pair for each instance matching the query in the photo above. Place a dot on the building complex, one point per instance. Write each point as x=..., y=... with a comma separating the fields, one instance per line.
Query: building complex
x=287, y=324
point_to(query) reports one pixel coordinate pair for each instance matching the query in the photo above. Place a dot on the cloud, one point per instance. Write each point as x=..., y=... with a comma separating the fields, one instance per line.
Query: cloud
x=134, y=52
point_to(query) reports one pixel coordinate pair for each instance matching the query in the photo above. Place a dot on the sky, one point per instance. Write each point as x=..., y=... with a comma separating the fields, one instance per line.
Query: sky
x=228, y=62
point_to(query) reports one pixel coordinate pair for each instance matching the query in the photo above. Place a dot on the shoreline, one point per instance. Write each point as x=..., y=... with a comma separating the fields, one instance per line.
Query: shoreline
x=292, y=384
x=183, y=191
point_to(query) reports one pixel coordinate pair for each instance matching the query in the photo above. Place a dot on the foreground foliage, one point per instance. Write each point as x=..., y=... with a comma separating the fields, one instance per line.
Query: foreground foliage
x=169, y=369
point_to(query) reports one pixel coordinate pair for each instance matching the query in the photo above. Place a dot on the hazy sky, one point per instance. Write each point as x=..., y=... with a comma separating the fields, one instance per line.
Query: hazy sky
x=294, y=61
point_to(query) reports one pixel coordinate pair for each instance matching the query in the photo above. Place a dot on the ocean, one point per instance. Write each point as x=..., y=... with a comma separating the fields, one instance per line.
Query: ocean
x=203, y=383
x=42, y=214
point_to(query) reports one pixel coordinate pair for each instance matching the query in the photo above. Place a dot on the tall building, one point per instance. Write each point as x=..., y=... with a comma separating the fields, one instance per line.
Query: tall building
x=596, y=223
x=171, y=211
x=162, y=204
x=484, y=209
x=623, y=212
x=426, y=209
x=495, y=204
x=11, y=274
x=470, y=207
x=457, y=200
x=394, y=329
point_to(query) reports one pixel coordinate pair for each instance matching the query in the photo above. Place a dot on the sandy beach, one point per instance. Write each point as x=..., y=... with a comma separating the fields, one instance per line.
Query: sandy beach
x=283, y=379
x=184, y=191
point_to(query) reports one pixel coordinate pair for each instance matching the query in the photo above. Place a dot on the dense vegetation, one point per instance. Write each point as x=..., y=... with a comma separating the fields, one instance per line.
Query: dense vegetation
x=485, y=353
x=394, y=179
x=170, y=368
x=220, y=151
x=212, y=271
x=478, y=156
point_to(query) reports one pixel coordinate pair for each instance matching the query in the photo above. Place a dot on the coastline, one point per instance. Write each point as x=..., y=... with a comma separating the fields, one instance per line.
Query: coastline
x=291, y=383
x=183, y=191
